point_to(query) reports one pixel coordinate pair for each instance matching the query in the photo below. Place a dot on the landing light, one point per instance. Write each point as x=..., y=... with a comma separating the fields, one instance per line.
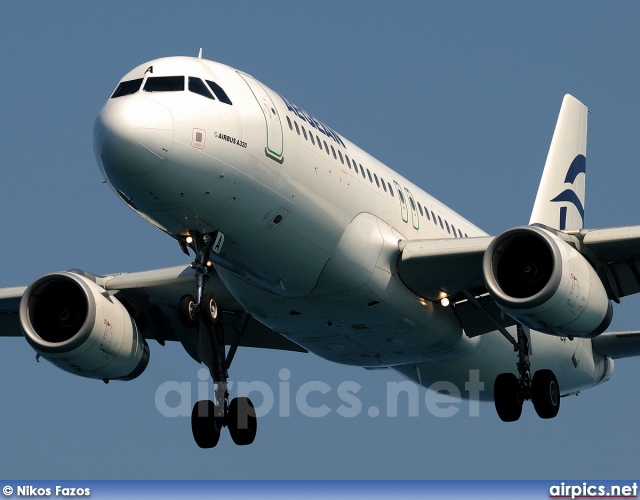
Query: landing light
x=209, y=263
x=189, y=240
x=444, y=302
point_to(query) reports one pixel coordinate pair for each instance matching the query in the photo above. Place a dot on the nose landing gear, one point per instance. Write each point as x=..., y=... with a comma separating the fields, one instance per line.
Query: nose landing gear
x=209, y=417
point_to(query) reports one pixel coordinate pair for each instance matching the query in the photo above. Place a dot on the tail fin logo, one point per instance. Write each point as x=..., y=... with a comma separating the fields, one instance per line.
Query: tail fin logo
x=569, y=195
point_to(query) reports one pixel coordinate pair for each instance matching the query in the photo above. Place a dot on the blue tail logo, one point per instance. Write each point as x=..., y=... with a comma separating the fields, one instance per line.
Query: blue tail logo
x=578, y=166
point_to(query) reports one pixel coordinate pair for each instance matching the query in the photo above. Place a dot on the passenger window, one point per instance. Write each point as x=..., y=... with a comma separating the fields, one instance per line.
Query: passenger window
x=289, y=122
x=447, y=224
x=197, y=86
x=384, y=186
x=413, y=205
x=341, y=158
x=370, y=178
x=454, y=230
x=440, y=220
x=297, y=129
x=376, y=178
x=164, y=84
x=335, y=157
x=304, y=132
x=126, y=88
x=426, y=212
x=319, y=143
x=434, y=218
x=220, y=94
x=348, y=161
x=326, y=147
x=420, y=208
x=401, y=196
x=362, y=171
x=312, y=140
x=390, y=188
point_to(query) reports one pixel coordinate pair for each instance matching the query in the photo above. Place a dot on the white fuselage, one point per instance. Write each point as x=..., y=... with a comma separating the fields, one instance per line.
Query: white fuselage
x=311, y=223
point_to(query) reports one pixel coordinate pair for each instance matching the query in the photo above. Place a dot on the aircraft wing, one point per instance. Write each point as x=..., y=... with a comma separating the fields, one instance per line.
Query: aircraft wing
x=615, y=253
x=430, y=267
x=453, y=268
x=152, y=297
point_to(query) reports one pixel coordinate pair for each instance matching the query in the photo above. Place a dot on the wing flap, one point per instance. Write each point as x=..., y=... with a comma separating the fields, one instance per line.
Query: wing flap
x=483, y=317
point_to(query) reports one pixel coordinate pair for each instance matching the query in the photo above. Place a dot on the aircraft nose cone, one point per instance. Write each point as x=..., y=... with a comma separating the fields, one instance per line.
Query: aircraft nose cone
x=132, y=136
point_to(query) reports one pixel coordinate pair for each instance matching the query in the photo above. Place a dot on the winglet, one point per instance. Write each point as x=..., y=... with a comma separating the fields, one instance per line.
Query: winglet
x=560, y=199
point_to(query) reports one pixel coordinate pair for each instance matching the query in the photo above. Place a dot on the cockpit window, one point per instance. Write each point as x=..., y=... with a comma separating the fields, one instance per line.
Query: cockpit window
x=197, y=86
x=128, y=87
x=164, y=84
x=220, y=94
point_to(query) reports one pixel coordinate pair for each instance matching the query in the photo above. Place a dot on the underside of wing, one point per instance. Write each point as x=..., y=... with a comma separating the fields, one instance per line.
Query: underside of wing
x=152, y=298
x=615, y=253
x=431, y=268
x=451, y=269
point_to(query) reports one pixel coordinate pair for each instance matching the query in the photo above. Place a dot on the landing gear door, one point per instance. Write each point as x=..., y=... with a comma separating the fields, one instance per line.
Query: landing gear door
x=274, y=144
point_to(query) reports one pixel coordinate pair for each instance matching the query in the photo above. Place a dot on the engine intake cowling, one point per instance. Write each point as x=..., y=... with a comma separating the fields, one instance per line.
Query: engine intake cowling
x=73, y=323
x=545, y=283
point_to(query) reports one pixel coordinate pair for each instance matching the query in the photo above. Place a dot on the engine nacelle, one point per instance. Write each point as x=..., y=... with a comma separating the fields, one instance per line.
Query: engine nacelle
x=73, y=323
x=546, y=284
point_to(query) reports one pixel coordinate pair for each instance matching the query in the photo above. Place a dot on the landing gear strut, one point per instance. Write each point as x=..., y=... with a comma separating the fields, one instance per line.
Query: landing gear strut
x=511, y=391
x=209, y=417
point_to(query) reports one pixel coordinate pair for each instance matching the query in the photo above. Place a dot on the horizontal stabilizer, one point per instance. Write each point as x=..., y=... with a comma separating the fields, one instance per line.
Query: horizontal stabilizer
x=617, y=345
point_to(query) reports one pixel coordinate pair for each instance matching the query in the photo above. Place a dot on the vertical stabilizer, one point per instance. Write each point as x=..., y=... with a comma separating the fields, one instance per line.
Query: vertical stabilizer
x=560, y=199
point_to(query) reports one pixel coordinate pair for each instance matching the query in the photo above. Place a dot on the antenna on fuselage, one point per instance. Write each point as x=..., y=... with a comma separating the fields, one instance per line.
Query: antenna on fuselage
x=200, y=53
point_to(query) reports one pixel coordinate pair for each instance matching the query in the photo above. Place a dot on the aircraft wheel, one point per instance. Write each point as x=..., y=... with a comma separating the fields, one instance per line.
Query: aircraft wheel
x=188, y=311
x=209, y=309
x=203, y=425
x=506, y=397
x=545, y=394
x=242, y=421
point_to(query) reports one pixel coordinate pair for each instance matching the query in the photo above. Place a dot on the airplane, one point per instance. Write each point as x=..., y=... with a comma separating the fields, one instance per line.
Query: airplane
x=302, y=241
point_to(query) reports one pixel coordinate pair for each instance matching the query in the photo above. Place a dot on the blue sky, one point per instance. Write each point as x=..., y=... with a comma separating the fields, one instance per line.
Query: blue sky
x=460, y=97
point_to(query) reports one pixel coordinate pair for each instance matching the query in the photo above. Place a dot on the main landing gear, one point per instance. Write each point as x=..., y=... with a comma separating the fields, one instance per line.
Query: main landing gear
x=209, y=417
x=509, y=391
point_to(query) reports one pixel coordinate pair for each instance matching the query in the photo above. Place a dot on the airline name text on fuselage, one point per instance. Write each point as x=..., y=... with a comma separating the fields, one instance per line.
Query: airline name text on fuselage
x=303, y=115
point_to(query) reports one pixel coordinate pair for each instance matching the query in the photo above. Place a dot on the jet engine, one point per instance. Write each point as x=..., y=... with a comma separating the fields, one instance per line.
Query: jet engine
x=72, y=322
x=543, y=282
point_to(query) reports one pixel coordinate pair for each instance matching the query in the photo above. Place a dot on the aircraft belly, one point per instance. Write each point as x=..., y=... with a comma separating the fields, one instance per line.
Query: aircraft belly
x=360, y=313
x=494, y=355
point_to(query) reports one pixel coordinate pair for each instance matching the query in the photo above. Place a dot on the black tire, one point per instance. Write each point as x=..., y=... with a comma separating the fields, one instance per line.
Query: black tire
x=545, y=394
x=506, y=397
x=242, y=421
x=203, y=426
x=188, y=311
x=209, y=309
